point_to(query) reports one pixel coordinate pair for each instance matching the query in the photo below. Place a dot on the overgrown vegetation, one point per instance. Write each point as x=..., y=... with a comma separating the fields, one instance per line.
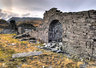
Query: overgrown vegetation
x=48, y=59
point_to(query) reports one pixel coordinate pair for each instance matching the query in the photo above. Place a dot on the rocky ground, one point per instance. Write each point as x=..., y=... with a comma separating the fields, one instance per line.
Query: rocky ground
x=23, y=54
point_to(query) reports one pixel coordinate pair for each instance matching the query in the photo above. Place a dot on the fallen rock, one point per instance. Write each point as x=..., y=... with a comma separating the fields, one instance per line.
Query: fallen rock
x=83, y=65
x=24, y=39
x=26, y=54
x=32, y=41
x=54, y=46
x=54, y=49
x=51, y=45
x=12, y=44
x=8, y=31
x=22, y=35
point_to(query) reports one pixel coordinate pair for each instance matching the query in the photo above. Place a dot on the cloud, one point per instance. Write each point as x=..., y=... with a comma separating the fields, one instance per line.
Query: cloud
x=37, y=8
x=42, y=5
x=6, y=4
x=76, y=5
x=6, y=14
x=27, y=14
x=32, y=5
x=65, y=5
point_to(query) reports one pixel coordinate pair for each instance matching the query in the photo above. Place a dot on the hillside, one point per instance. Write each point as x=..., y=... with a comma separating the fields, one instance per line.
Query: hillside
x=3, y=24
x=10, y=46
x=29, y=20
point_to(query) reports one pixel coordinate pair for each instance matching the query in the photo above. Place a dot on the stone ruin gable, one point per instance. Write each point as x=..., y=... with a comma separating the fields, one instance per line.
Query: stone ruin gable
x=79, y=30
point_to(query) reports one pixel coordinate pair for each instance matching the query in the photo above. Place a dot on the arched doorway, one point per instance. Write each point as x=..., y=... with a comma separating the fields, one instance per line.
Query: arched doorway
x=55, y=31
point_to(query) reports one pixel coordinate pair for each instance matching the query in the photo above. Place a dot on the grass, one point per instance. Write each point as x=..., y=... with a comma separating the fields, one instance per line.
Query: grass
x=9, y=46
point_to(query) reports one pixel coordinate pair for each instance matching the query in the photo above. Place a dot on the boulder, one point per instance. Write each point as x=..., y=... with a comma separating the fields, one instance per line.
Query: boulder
x=26, y=54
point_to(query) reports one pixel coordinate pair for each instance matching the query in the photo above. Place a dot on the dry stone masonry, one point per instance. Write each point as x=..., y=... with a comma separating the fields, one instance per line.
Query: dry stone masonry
x=76, y=30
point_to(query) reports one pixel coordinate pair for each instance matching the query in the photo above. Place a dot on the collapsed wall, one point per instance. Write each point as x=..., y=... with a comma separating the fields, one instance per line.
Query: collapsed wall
x=77, y=30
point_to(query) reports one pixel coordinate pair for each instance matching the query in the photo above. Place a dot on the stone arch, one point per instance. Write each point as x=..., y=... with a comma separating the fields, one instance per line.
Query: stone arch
x=55, y=31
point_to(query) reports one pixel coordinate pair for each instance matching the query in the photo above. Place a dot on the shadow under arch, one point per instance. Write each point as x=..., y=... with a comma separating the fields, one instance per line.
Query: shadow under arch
x=55, y=31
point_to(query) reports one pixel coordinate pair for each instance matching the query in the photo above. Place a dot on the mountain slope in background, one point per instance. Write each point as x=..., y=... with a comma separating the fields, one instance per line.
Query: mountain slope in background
x=8, y=15
x=29, y=20
x=3, y=24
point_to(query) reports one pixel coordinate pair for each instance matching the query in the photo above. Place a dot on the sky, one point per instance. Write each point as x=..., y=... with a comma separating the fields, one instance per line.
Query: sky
x=36, y=8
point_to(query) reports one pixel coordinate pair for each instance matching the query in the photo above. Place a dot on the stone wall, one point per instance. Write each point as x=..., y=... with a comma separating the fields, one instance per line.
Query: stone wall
x=79, y=30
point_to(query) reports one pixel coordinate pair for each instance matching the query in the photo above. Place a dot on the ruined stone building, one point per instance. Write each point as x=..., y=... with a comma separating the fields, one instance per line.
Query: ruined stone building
x=77, y=31
x=24, y=24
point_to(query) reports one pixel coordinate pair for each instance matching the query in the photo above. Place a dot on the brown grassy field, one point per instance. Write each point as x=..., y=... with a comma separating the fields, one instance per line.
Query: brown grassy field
x=46, y=60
